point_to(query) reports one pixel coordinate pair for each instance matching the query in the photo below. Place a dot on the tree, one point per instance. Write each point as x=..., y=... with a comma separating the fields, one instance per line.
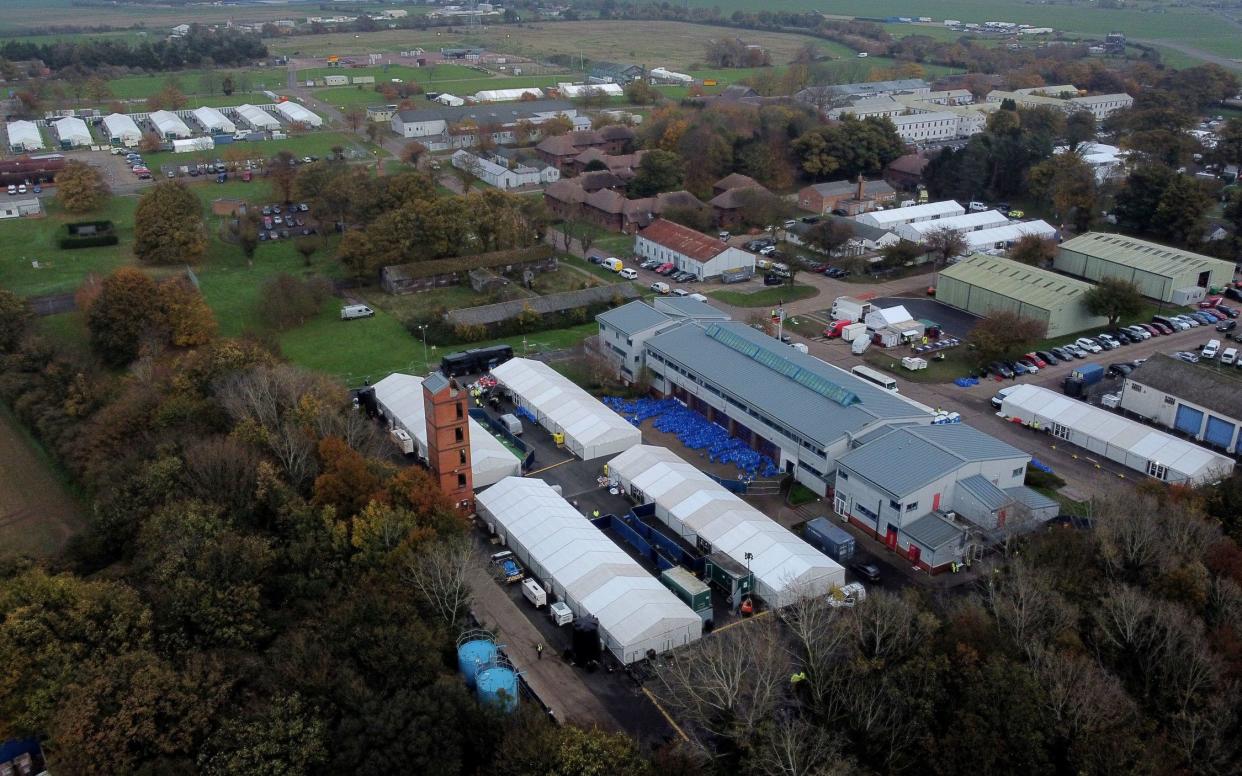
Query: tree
x=413, y=152
x=286, y=302
x=760, y=207
x=80, y=188
x=355, y=252
x=1114, y=298
x=347, y=482
x=697, y=218
x=209, y=82
x=127, y=311
x=1067, y=182
x=354, y=118
x=1033, y=250
x=639, y=92
x=226, y=85
x=284, y=737
x=557, y=125
x=97, y=89
x=848, y=148
x=902, y=253
x=189, y=320
x=306, y=246
x=150, y=142
x=829, y=234
x=1005, y=334
x=282, y=172
x=169, y=97
x=944, y=244
x=1079, y=128
x=1140, y=195
x=168, y=225
x=1179, y=216
x=442, y=573
x=248, y=234
x=15, y=318
x=658, y=171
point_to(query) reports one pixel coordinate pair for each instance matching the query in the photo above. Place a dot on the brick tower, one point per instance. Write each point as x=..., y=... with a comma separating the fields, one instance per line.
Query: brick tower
x=448, y=439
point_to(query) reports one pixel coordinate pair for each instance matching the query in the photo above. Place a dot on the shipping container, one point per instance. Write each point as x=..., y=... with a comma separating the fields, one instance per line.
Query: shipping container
x=728, y=575
x=689, y=588
x=832, y=540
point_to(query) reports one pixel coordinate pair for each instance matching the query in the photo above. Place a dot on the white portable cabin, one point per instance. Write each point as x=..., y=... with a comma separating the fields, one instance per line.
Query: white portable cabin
x=121, y=129
x=1127, y=442
x=700, y=509
x=193, y=144
x=72, y=131
x=296, y=114
x=169, y=124
x=257, y=118
x=24, y=136
x=450, y=100
x=591, y=429
x=578, y=564
x=214, y=121
x=400, y=396
x=507, y=95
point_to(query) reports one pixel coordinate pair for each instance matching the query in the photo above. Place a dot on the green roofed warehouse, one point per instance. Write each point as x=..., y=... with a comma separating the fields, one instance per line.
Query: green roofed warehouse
x=1160, y=272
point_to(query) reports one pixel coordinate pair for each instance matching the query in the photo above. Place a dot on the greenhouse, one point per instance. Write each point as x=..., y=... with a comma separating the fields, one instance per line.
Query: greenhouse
x=553, y=401
x=702, y=511
x=400, y=397
x=579, y=565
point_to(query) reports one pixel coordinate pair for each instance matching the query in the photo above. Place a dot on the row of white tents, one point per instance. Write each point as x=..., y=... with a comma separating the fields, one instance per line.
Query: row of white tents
x=400, y=398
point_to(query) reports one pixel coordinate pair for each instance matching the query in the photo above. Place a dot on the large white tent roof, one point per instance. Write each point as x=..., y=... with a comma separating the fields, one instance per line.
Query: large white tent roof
x=121, y=127
x=917, y=231
x=888, y=219
x=507, y=95
x=785, y=567
x=169, y=123
x=573, y=91
x=298, y=115
x=1117, y=438
x=213, y=120
x=591, y=429
x=72, y=130
x=987, y=238
x=257, y=117
x=401, y=396
x=585, y=569
x=24, y=135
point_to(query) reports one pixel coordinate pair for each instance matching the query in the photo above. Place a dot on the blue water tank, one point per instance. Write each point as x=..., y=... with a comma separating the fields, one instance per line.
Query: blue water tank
x=498, y=686
x=473, y=656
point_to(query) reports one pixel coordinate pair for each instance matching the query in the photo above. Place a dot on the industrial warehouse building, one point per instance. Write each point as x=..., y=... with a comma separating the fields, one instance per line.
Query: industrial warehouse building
x=400, y=398
x=577, y=564
x=688, y=250
x=985, y=284
x=937, y=494
x=591, y=430
x=624, y=329
x=707, y=515
x=798, y=410
x=1116, y=438
x=1202, y=401
x=1160, y=272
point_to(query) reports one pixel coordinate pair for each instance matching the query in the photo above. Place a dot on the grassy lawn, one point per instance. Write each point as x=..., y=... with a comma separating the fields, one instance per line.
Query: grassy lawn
x=564, y=279
x=353, y=351
x=36, y=239
x=189, y=82
x=958, y=362
x=384, y=72
x=423, y=306
x=770, y=296
x=309, y=144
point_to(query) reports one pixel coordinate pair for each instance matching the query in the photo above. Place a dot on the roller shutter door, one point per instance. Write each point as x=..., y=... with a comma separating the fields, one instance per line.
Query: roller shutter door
x=1189, y=420
x=1219, y=432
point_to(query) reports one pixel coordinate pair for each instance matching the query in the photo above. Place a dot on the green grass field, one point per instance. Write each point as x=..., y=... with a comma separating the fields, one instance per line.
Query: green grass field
x=30, y=240
x=447, y=72
x=309, y=144
x=768, y=297
x=190, y=82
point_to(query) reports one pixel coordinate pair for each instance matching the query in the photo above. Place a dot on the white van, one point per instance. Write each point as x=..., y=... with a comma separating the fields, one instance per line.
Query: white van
x=1210, y=349
x=977, y=207
x=1229, y=356
x=351, y=311
x=628, y=274
x=660, y=287
x=613, y=264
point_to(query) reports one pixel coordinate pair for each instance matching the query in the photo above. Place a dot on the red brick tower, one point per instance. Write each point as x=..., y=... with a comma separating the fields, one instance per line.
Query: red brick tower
x=448, y=439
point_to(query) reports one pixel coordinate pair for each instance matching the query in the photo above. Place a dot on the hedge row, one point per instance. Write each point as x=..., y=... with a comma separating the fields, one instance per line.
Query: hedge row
x=69, y=243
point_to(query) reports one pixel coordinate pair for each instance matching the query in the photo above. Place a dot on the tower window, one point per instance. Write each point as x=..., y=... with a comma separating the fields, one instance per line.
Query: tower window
x=461, y=456
x=459, y=434
x=460, y=410
x=461, y=480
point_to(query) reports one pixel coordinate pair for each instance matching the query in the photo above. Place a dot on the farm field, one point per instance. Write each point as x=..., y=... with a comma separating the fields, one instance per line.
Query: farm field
x=35, y=239
x=190, y=83
x=38, y=513
x=422, y=75
x=37, y=15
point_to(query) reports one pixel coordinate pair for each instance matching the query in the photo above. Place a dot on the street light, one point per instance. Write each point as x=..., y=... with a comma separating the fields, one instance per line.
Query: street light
x=422, y=327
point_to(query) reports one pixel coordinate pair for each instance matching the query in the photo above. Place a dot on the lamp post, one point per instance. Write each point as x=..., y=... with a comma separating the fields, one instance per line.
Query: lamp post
x=422, y=328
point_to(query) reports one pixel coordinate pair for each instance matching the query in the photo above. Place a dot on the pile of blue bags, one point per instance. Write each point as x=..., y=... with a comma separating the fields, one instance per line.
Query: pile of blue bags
x=522, y=412
x=966, y=382
x=695, y=432
x=1038, y=464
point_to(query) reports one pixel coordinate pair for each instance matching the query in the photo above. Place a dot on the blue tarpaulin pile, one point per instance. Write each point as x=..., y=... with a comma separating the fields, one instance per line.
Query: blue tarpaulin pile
x=522, y=412
x=966, y=382
x=695, y=432
x=1038, y=464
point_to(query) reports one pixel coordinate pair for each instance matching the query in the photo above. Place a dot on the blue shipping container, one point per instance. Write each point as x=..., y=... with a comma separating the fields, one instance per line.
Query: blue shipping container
x=1088, y=374
x=832, y=540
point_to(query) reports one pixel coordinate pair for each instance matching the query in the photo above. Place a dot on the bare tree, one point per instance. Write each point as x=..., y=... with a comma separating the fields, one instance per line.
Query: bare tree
x=944, y=244
x=441, y=572
x=728, y=685
x=794, y=747
x=1128, y=531
x=1027, y=606
x=888, y=626
x=222, y=469
x=822, y=643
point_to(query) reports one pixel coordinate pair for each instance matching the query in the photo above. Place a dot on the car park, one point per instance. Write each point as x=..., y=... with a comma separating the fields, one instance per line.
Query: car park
x=1087, y=344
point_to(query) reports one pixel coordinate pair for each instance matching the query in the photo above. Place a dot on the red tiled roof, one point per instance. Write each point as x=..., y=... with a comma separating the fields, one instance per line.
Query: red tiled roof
x=684, y=240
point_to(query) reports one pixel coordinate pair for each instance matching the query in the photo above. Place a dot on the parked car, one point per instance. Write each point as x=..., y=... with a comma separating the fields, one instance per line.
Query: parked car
x=303, y=207
x=1035, y=359
x=1074, y=350
x=1226, y=309
x=1187, y=356
x=1210, y=349
x=1162, y=328
x=1224, y=326
x=1062, y=354
x=680, y=292
x=1119, y=370
x=1088, y=344
x=1017, y=368
x=1139, y=331
x=868, y=571
x=836, y=272
x=1106, y=341
x=1049, y=358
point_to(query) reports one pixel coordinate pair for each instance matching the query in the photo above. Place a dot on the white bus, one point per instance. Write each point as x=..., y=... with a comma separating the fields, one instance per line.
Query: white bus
x=878, y=378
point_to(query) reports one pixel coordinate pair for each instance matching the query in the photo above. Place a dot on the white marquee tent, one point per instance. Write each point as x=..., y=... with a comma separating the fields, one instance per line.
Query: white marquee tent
x=578, y=564
x=591, y=430
x=122, y=129
x=574, y=91
x=24, y=136
x=169, y=124
x=213, y=120
x=1114, y=437
x=296, y=114
x=72, y=131
x=507, y=95
x=400, y=396
x=785, y=567
x=928, y=211
x=999, y=236
x=257, y=118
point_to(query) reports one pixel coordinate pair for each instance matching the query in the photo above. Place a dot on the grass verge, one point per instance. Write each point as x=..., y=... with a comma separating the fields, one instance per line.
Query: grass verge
x=768, y=297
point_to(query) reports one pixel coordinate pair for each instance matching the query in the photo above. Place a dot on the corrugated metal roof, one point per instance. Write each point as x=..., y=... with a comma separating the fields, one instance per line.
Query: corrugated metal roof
x=684, y=240
x=981, y=488
x=909, y=458
x=1032, y=499
x=1207, y=386
x=1033, y=286
x=1147, y=256
x=932, y=531
x=632, y=318
x=685, y=307
x=776, y=395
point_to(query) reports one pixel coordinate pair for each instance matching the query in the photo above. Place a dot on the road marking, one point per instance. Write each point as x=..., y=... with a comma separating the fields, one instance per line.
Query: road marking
x=553, y=466
x=667, y=717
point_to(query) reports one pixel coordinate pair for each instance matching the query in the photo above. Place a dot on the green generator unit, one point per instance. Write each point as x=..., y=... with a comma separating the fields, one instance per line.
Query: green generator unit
x=689, y=588
x=728, y=576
